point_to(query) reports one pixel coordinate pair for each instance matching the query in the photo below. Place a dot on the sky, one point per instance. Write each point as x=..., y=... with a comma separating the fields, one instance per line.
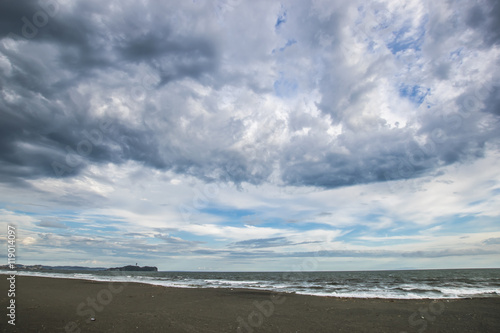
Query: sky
x=235, y=135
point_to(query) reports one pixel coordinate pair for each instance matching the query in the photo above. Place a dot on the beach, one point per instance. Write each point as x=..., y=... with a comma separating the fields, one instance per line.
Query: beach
x=71, y=305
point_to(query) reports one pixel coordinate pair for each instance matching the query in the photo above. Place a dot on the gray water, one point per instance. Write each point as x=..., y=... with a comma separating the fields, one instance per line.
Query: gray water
x=410, y=284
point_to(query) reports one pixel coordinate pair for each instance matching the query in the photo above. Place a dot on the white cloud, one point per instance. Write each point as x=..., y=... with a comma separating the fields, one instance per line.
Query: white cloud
x=342, y=126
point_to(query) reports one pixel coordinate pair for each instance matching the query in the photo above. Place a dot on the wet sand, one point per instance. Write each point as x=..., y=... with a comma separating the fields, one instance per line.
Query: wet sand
x=67, y=305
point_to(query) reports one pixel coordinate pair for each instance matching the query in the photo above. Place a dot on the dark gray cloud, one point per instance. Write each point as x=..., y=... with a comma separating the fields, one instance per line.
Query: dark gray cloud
x=156, y=76
x=344, y=253
x=52, y=223
x=267, y=242
x=491, y=241
x=172, y=57
x=372, y=253
x=262, y=243
x=485, y=17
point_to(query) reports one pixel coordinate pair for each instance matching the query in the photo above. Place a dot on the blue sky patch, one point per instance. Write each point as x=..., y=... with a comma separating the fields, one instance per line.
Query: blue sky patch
x=289, y=43
x=415, y=93
x=229, y=213
x=280, y=20
x=284, y=87
x=401, y=42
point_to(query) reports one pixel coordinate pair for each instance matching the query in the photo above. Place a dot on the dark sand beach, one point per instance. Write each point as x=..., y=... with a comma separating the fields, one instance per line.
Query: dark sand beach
x=66, y=305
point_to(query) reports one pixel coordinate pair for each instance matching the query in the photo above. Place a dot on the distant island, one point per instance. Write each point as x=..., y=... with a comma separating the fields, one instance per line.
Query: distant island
x=19, y=267
x=134, y=268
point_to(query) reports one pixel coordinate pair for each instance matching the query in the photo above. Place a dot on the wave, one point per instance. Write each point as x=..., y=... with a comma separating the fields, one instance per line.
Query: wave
x=332, y=284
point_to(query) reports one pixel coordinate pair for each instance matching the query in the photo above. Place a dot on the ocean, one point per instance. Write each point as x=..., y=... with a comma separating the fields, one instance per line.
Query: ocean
x=406, y=284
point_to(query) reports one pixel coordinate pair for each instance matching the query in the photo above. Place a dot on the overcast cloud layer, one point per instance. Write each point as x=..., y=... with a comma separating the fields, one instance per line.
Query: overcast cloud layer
x=249, y=135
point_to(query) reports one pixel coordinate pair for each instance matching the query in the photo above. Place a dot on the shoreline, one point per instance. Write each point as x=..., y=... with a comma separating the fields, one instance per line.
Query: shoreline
x=184, y=286
x=49, y=304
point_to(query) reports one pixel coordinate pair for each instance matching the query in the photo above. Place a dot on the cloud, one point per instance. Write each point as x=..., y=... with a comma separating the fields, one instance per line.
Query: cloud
x=317, y=113
x=263, y=243
x=28, y=241
x=52, y=223
x=484, y=17
x=84, y=71
x=176, y=241
x=492, y=241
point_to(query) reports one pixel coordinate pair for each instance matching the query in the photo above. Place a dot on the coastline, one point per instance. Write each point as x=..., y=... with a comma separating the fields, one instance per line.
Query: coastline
x=66, y=305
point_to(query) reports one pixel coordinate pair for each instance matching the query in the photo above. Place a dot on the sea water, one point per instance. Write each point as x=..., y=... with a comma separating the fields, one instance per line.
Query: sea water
x=405, y=284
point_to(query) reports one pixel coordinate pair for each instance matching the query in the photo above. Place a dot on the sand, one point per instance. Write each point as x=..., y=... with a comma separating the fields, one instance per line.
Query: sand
x=67, y=305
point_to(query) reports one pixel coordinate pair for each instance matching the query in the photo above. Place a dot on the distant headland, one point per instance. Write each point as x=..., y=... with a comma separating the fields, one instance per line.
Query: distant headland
x=128, y=268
